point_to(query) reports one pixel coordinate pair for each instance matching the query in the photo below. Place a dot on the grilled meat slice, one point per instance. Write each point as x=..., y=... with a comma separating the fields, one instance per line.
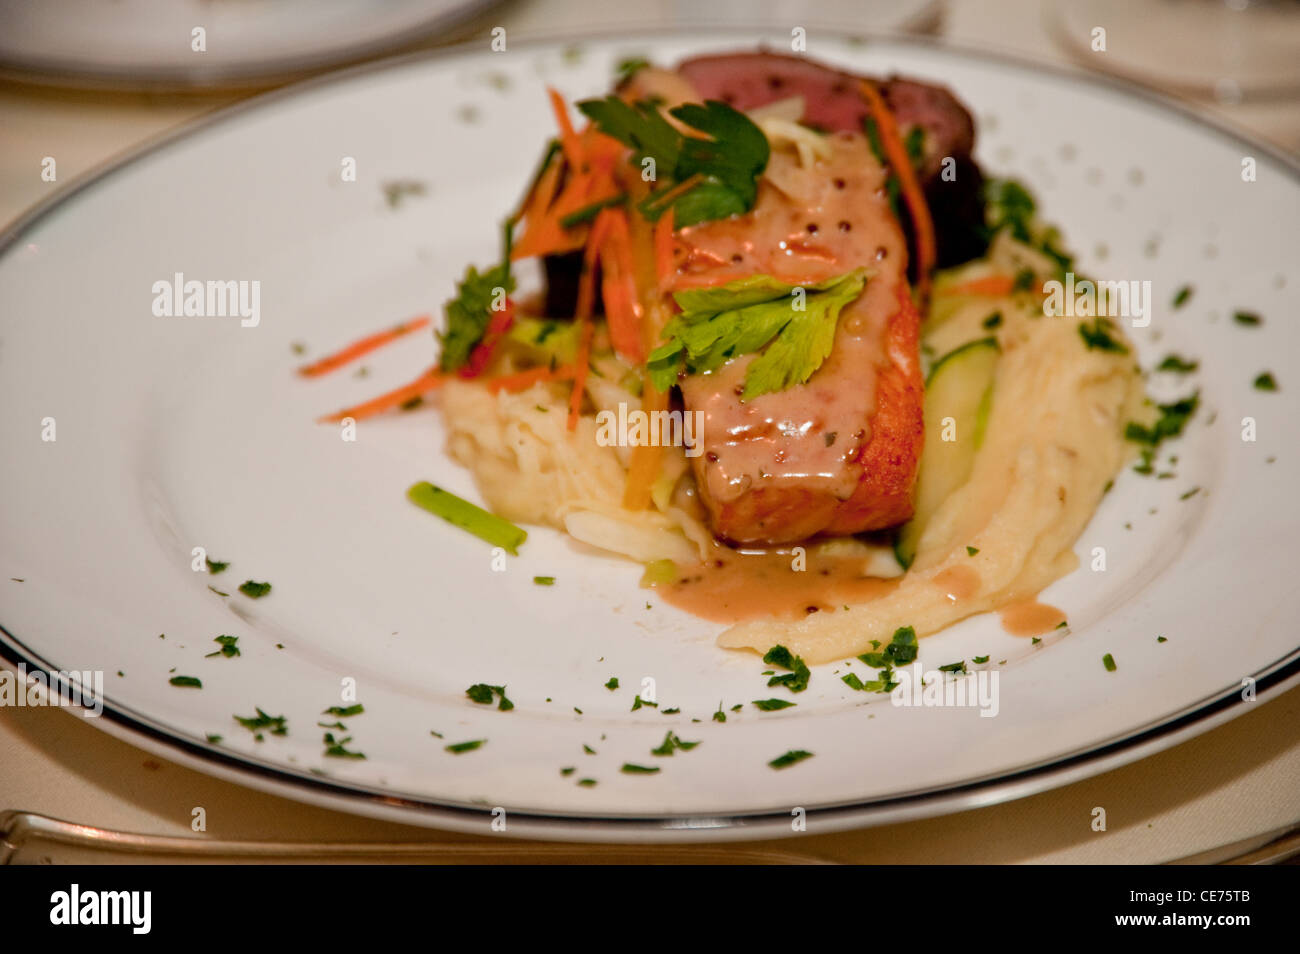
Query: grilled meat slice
x=832, y=103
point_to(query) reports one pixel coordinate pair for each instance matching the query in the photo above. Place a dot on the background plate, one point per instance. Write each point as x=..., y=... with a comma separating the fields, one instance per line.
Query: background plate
x=149, y=42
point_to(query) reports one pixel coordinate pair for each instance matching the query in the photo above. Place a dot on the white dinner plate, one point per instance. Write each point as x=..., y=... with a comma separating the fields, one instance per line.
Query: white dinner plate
x=176, y=433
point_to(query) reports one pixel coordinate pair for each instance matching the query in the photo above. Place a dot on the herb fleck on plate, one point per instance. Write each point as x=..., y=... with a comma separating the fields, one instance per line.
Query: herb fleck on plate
x=793, y=757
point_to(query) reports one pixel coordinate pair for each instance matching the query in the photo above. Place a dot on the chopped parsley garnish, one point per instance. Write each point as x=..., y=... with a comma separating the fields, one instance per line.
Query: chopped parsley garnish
x=914, y=144
x=1098, y=336
x=884, y=682
x=213, y=738
x=979, y=660
x=992, y=321
x=186, y=682
x=672, y=711
x=954, y=667
x=612, y=684
x=1182, y=295
x=631, y=769
x=724, y=167
x=228, y=647
x=395, y=192
x=1109, y=662
x=215, y=566
x=482, y=693
x=1177, y=365
x=1063, y=624
x=971, y=551
x=1190, y=494
x=586, y=782
x=344, y=712
x=748, y=315
x=276, y=725
x=719, y=716
x=544, y=580
x=588, y=749
x=1173, y=418
x=901, y=651
x=772, y=705
x=671, y=743
x=796, y=680
x=792, y=757
x=254, y=590
x=1009, y=205
x=1266, y=382
x=1161, y=639
x=337, y=748
x=459, y=747
x=1248, y=318
x=332, y=725
x=569, y=770
x=638, y=702
x=470, y=311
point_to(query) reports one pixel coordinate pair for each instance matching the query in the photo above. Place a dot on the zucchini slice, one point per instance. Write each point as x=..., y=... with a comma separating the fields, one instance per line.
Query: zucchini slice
x=960, y=388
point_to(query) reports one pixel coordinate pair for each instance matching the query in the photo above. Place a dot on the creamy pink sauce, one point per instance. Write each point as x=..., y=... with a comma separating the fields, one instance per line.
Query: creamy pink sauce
x=1030, y=618
x=809, y=434
x=737, y=585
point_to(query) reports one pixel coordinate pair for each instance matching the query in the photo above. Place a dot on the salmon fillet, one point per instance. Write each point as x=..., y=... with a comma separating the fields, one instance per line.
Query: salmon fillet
x=839, y=453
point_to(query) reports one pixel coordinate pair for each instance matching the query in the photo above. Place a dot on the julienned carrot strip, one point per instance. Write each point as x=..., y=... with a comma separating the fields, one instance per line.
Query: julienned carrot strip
x=363, y=347
x=568, y=138
x=580, y=373
x=651, y=250
x=664, y=249
x=991, y=286
x=429, y=381
x=587, y=281
x=588, y=177
x=523, y=380
x=539, y=234
x=672, y=195
x=643, y=465
x=619, y=292
x=546, y=164
x=498, y=325
x=620, y=313
x=586, y=300
x=901, y=166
